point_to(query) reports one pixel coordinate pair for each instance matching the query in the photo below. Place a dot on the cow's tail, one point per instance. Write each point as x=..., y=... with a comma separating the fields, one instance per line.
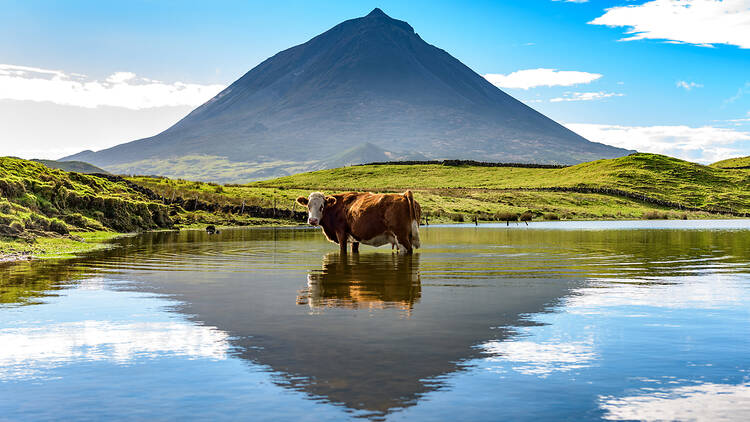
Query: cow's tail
x=414, y=219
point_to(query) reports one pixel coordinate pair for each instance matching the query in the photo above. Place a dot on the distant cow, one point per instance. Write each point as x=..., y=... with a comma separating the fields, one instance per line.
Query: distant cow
x=369, y=218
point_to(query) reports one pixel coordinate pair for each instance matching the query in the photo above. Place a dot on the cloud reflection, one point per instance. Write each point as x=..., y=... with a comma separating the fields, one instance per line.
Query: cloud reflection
x=135, y=327
x=541, y=359
x=28, y=351
x=714, y=402
x=704, y=292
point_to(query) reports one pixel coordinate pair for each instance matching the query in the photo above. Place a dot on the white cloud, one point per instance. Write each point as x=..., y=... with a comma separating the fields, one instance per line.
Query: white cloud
x=121, y=89
x=702, y=402
x=120, y=77
x=698, y=22
x=702, y=144
x=585, y=96
x=688, y=85
x=530, y=78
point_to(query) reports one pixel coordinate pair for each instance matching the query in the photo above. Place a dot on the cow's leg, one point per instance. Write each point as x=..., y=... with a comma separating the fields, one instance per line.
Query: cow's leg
x=342, y=238
x=355, y=247
x=403, y=243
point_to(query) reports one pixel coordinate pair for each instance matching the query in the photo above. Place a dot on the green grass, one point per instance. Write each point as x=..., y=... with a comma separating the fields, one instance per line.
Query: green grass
x=453, y=193
x=656, y=176
x=37, y=199
x=733, y=162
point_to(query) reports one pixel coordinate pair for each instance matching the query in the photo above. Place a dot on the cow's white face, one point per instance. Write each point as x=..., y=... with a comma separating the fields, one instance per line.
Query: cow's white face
x=316, y=204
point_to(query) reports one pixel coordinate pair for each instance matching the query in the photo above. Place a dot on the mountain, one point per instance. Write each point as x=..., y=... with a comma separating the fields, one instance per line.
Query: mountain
x=370, y=80
x=76, y=166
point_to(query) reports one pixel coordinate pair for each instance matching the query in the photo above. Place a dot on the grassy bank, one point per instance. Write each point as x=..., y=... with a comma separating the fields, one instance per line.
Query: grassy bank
x=46, y=212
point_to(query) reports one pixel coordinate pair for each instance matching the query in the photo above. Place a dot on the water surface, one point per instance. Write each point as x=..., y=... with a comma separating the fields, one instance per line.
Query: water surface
x=582, y=321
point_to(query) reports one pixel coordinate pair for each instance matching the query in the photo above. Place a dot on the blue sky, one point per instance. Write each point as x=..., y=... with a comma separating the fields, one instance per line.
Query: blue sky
x=682, y=87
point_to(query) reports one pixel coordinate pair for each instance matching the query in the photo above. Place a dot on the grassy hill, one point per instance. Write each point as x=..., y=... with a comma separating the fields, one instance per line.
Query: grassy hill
x=649, y=175
x=636, y=186
x=46, y=211
x=733, y=163
x=40, y=202
x=76, y=166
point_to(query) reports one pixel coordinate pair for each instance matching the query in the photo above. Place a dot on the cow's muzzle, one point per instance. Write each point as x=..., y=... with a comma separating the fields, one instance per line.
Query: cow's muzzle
x=312, y=221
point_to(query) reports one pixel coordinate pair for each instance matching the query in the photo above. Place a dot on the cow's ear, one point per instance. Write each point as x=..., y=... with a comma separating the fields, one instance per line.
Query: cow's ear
x=330, y=200
x=302, y=200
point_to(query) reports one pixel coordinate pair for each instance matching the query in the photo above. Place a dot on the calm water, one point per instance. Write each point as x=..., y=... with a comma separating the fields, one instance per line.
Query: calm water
x=556, y=321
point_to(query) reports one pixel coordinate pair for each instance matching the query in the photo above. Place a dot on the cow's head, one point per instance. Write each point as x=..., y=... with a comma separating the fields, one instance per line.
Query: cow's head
x=316, y=204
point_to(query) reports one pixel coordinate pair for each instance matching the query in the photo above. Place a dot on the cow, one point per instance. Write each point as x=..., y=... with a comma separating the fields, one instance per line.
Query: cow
x=368, y=218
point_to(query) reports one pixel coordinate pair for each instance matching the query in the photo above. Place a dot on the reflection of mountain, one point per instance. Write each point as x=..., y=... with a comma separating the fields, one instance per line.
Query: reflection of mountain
x=364, y=281
x=362, y=351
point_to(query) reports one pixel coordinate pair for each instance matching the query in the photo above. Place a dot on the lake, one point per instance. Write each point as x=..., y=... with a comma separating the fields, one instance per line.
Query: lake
x=644, y=320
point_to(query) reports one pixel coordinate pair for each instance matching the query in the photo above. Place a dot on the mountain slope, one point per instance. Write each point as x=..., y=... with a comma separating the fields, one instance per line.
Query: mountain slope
x=76, y=166
x=370, y=79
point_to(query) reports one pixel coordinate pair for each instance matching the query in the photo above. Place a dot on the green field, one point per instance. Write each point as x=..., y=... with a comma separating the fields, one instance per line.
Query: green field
x=733, y=163
x=647, y=186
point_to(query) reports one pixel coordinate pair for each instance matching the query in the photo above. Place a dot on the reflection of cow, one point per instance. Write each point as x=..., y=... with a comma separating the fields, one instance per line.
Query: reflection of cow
x=369, y=218
x=369, y=281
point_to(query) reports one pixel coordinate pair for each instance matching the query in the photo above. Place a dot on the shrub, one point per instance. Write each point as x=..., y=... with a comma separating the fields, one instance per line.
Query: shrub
x=5, y=206
x=551, y=216
x=16, y=226
x=655, y=215
x=506, y=216
x=36, y=222
x=58, y=226
x=458, y=218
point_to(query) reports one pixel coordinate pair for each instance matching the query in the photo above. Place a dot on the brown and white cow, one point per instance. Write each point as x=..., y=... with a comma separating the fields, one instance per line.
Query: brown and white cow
x=369, y=218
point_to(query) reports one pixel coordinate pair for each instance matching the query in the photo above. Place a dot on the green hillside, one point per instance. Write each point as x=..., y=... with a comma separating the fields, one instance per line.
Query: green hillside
x=654, y=176
x=47, y=210
x=733, y=163
x=76, y=166
x=637, y=186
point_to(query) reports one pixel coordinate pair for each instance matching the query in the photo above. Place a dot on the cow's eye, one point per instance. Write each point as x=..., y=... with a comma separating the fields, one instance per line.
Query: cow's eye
x=321, y=208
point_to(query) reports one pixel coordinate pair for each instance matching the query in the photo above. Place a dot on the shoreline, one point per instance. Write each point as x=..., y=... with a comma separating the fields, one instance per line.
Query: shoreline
x=64, y=248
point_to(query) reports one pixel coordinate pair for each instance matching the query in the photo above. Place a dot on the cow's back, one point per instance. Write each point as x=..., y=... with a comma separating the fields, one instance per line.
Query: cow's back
x=372, y=215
